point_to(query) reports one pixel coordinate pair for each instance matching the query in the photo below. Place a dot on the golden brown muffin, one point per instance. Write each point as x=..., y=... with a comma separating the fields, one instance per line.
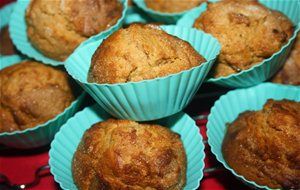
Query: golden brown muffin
x=172, y=6
x=6, y=45
x=123, y=154
x=290, y=73
x=248, y=32
x=264, y=146
x=141, y=52
x=31, y=94
x=57, y=27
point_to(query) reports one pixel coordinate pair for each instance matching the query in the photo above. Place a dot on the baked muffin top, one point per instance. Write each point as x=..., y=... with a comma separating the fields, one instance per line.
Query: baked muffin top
x=141, y=52
x=123, y=154
x=290, y=73
x=264, y=146
x=57, y=27
x=31, y=94
x=248, y=32
x=173, y=6
x=6, y=45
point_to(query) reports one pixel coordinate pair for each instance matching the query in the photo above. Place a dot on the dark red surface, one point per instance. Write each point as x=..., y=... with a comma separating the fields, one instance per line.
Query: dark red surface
x=20, y=165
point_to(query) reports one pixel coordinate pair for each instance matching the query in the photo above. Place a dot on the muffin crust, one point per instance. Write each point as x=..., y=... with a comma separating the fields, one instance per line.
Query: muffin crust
x=264, y=146
x=123, y=154
x=31, y=94
x=57, y=27
x=248, y=32
x=6, y=45
x=290, y=73
x=141, y=52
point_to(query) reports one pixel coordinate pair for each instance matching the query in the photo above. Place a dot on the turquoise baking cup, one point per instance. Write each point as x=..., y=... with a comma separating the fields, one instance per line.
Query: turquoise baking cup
x=5, y=13
x=67, y=139
x=148, y=99
x=135, y=15
x=18, y=31
x=230, y=105
x=42, y=134
x=267, y=68
x=165, y=18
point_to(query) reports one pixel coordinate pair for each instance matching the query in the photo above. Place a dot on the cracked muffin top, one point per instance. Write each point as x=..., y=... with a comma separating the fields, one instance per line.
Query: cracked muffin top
x=123, y=154
x=290, y=72
x=248, y=32
x=31, y=94
x=172, y=6
x=57, y=27
x=264, y=146
x=141, y=52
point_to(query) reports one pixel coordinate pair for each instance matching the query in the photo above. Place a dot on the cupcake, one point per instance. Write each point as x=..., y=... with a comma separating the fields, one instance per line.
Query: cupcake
x=263, y=146
x=123, y=154
x=6, y=45
x=57, y=28
x=141, y=52
x=144, y=72
x=152, y=153
x=248, y=32
x=290, y=72
x=32, y=94
x=172, y=6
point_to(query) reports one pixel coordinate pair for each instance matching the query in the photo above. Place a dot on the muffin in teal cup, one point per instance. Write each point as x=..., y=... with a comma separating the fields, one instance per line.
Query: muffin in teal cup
x=50, y=31
x=256, y=38
x=167, y=12
x=260, y=123
x=35, y=101
x=130, y=80
x=61, y=157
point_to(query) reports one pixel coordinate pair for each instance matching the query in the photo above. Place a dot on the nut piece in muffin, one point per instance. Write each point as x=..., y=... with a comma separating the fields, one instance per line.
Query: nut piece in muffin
x=31, y=94
x=57, y=27
x=290, y=72
x=248, y=32
x=6, y=45
x=172, y=6
x=123, y=154
x=141, y=52
x=264, y=146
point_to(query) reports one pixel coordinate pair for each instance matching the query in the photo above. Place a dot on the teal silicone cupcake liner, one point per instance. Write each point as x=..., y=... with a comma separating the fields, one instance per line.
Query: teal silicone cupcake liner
x=148, y=99
x=18, y=31
x=230, y=105
x=267, y=68
x=6, y=61
x=44, y=133
x=5, y=13
x=135, y=15
x=164, y=18
x=67, y=139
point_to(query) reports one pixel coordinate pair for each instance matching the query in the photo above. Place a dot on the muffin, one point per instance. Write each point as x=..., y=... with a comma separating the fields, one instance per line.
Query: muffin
x=123, y=154
x=6, y=45
x=172, y=6
x=58, y=27
x=141, y=52
x=248, y=32
x=263, y=146
x=31, y=94
x=290, y=73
